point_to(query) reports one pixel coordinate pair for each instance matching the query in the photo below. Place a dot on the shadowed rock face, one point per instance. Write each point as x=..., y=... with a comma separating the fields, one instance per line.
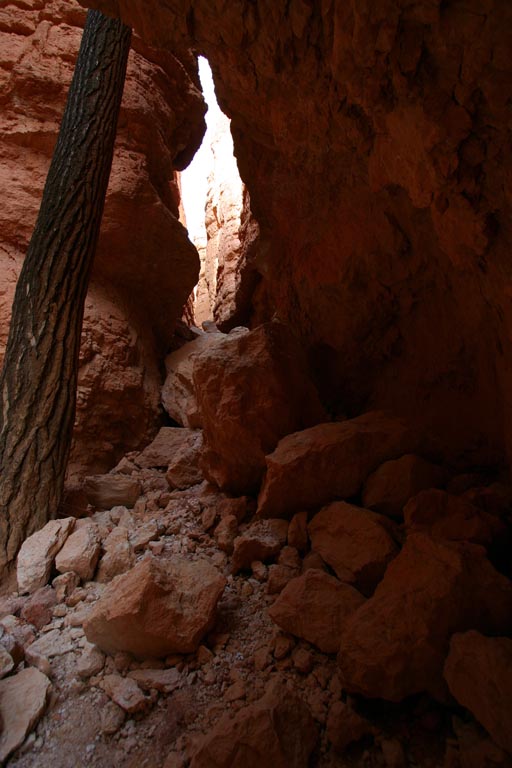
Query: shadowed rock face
x=372, y=140
x=145, y=265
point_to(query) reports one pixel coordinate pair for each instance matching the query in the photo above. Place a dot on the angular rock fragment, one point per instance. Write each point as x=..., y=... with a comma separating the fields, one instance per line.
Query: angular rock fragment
x=65, y=584
x=37, y=553
x=395, y=644
x=49, y=644
x=184, y=469
x=125, y=693
x=278, y=577
x=16, y=634
x=354, y=542
x=391, y=486
x=91, y=662
x=328, y=461
x=159, y=607
x=277, y=731
x=22, y=702
x=80, y=552
x=225, y=533
x=112, y=717
x=145, y=533
x=169, y=440
x=107, y=491
x=38, y=609
x=315, y=606
x=118, y=556
x=163, y=680
x=240, y=507
x=478, y=671
x=262, y=540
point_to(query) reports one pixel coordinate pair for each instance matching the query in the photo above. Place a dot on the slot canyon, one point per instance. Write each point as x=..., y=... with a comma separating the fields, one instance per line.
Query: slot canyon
x=286, y=531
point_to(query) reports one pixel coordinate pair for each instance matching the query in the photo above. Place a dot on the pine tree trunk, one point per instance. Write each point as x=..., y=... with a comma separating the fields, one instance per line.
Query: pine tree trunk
x=38, y=379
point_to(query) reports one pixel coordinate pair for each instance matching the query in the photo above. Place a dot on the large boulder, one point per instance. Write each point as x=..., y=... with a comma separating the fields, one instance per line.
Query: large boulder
x=314, y=607
x=278, y=731
x=159, y=607
x=252, y=388
x=391, y=486
x=478, y=671
x=37, y=554
x=354, y=542
x=396, y=643
x=178, y=392
x=328, y=461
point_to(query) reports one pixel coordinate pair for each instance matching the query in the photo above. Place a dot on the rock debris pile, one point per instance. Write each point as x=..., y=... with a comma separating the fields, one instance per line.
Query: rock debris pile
x=261, y=586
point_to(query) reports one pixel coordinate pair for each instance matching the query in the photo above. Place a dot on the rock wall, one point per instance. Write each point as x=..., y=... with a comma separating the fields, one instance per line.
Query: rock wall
x=145, y=266
x=373, y=140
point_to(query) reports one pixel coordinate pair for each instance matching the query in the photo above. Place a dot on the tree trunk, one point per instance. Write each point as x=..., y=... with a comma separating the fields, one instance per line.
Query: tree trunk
x=38, y=379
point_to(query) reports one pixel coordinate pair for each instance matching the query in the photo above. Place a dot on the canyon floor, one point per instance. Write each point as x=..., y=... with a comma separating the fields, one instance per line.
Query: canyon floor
x=239, y=657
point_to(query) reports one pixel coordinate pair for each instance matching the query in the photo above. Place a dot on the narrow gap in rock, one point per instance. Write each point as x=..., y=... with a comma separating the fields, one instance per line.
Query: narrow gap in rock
x=212, y=193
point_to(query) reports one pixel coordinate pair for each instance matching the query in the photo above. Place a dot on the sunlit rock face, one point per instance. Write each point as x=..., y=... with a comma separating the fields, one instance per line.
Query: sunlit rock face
x=145, y=266
x=372, y=139
x=219, y=220
x=223, y=212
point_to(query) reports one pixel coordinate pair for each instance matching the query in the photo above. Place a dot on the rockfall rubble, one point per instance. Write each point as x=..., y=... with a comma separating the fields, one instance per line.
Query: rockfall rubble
x=234, y=637
x=295, y=550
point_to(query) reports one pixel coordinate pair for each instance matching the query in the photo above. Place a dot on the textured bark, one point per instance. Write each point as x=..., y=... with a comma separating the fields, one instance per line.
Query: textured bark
x=38, y=380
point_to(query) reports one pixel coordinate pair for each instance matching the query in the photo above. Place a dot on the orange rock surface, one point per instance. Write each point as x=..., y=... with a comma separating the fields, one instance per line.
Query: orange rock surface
x=372, y=138
x=145, y=265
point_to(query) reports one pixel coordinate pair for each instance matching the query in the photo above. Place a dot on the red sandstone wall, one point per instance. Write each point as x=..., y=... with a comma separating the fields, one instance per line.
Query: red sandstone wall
x=145, y=265
x=372, y=137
